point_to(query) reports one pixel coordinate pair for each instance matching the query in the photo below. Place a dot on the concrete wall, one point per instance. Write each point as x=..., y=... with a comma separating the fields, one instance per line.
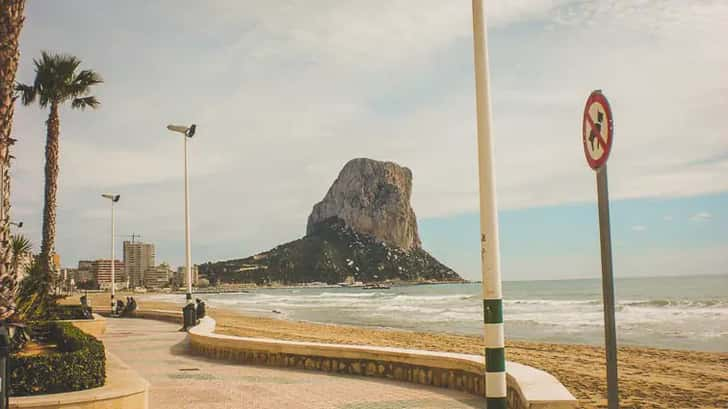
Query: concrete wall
x=159, y=315
x=95, y=327
x=528, y=388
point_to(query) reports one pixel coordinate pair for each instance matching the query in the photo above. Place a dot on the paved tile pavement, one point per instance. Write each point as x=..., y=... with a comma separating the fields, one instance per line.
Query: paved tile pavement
x=159, y=353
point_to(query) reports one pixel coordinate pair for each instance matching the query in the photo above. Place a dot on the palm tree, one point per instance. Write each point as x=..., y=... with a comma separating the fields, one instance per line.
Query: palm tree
x=21, y=248
x=57, y=80
x=11, y=22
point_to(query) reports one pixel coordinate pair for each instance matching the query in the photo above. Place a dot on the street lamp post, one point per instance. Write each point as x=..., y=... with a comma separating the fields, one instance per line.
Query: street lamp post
x=188, y=132
x=114, y=198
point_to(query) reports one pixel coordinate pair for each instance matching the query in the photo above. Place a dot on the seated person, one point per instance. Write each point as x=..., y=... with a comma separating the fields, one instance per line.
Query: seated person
x=128, y=308
x=131, y=306
x=85, y=310
x=200, y=308
x=119, y=306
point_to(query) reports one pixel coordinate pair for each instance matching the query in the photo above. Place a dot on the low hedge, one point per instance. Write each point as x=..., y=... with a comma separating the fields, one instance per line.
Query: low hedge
x=79, y=363
x=68, y=312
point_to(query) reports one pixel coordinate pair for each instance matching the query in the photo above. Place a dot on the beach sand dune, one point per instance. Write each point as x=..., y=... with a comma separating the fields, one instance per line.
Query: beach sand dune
x=649, y=377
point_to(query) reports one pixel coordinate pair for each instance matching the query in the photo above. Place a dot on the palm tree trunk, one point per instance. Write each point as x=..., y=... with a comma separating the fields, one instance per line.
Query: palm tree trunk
x=48, y=245
x=11, y=22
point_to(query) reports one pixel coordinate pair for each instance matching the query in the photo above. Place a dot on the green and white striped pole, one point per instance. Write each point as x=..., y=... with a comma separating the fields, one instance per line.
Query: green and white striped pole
x=495, y=361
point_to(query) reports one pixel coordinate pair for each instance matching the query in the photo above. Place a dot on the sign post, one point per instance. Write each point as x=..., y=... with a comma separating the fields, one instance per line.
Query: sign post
x=597, y=138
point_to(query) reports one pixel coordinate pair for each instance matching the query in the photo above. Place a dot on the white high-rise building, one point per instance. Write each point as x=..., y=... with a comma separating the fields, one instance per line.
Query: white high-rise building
x=138, y=258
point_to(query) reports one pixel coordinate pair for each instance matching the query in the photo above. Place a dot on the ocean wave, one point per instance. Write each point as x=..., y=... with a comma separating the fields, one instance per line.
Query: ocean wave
x=660, y=303
x=348, y=295
x=656, y=303
x=431, y=298
x=550, y=302
x=660, y=318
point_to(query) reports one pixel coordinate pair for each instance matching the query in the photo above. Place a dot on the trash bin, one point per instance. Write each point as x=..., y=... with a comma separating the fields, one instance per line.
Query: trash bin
x=189, y=317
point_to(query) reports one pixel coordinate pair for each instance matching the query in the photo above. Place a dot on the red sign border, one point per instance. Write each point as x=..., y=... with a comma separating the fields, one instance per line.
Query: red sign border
x=597, y=96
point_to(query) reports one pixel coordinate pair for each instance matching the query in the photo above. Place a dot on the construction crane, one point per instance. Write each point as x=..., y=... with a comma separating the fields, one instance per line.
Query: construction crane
x=133, y=236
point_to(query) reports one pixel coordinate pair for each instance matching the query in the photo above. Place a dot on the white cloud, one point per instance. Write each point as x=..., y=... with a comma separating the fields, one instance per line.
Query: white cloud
x=701, y=217
x=668, y=218
x=286, y=92
x=639, y=227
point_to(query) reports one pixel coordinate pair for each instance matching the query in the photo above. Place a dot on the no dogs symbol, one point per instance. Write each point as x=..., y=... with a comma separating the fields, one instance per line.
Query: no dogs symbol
x=597, y=130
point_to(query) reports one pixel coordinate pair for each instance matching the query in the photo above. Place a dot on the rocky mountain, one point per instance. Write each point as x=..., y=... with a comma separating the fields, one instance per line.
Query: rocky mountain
x=373, y=198
x=363, y=230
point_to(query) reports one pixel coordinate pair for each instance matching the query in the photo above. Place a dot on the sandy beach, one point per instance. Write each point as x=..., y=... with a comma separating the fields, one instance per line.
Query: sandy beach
x=649, y=377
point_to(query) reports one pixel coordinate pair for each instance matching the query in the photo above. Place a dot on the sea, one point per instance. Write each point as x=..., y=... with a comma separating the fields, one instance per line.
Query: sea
x=666, y=312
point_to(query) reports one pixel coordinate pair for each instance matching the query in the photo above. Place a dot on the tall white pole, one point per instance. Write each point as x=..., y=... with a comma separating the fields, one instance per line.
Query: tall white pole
x=495, y=371
x=113, y=255
x=187, y=228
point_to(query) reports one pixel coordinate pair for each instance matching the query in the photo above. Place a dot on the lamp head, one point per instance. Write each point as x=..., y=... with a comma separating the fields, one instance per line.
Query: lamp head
x=188, y=132
x=178, y=128
x=114, y=198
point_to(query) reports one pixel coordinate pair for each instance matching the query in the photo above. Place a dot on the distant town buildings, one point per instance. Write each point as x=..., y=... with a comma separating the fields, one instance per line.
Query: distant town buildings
x=84, y=273
x=85, y=264
x=158, y=277
x=138, y=259
x=83, y=276
x=101, y=269
x=66, y=282
x=181, y=277
x=136, y=271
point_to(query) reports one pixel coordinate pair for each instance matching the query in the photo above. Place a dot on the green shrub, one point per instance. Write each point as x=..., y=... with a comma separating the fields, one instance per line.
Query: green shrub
x=68, y=312
x=80, y=363
x=35, y=299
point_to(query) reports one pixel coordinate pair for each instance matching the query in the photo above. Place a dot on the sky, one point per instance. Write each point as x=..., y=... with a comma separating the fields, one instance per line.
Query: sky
x=284, y=93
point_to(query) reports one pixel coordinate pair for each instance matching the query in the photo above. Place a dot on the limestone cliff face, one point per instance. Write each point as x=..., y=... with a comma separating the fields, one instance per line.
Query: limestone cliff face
x=372, y=197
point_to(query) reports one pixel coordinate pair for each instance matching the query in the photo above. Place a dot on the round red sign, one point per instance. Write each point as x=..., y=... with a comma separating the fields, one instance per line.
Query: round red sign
x=597, y=130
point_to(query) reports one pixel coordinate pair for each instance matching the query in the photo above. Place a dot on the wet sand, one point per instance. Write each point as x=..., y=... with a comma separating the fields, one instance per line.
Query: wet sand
x=649, y=377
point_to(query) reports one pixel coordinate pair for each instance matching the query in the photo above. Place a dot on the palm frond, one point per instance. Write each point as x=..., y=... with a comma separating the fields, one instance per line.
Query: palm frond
x=20, y=248
x=61, y=66
x=58, y=79
x=27, y=93
x=84, y=102
x=34, y=297
x=82, y=82
x=20, y=245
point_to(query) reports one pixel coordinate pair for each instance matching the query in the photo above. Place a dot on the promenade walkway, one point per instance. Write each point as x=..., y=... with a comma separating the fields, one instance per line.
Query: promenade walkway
x=159, y=353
